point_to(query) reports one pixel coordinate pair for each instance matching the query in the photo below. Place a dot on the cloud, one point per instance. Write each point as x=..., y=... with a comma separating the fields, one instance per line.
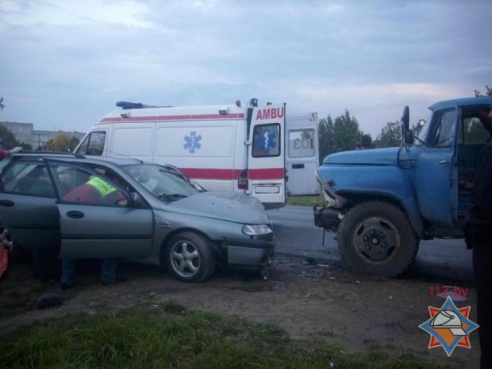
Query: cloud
x=67, y=62
x=62, y=13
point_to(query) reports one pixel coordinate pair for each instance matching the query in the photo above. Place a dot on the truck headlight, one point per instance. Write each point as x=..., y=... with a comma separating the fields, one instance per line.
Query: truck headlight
x=256, y=229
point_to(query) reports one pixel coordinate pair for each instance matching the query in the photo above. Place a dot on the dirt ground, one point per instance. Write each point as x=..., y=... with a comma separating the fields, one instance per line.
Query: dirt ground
x=306, y=298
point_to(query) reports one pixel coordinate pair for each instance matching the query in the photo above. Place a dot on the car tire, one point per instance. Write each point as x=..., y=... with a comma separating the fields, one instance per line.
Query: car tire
x=377, y=238
x=189, y=258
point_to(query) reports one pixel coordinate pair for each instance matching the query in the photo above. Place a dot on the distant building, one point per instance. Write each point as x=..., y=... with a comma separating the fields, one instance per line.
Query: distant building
x=25, y=133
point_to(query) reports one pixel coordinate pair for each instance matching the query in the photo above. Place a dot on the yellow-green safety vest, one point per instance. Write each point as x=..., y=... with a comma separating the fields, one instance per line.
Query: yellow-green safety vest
x=102, y=186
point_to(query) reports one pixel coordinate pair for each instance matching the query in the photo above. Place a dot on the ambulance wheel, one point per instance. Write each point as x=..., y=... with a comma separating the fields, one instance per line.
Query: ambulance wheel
x=377, y=238
x=189, y=258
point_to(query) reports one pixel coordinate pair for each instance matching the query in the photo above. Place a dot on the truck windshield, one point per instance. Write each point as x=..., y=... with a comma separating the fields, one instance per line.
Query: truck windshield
x=160, y=182
x=421, y=137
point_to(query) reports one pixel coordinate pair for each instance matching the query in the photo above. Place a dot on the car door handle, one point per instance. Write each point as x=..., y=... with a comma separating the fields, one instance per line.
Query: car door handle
x=75, y=214
x=7, y=203
x=297, y=166
x=442, y=162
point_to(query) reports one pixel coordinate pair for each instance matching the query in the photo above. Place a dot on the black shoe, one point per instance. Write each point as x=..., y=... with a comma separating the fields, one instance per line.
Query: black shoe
x=116, y=281
x=66, y=285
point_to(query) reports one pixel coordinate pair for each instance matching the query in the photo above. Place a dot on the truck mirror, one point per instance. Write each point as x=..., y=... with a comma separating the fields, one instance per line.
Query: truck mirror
x=406, y=134
x=405, y=119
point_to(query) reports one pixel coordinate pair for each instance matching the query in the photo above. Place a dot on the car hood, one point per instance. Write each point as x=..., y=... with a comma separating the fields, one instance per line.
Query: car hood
x=234, y=207
x=386, y=156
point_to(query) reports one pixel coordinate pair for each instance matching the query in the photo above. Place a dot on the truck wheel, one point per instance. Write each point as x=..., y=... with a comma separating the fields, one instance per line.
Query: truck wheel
x=377, y=238
x=189, y=258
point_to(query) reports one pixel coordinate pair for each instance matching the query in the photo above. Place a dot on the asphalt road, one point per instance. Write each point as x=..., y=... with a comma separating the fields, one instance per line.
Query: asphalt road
x=439, y=261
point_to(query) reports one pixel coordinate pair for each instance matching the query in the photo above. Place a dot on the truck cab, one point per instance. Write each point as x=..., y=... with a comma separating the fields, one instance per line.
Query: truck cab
x=382, y=202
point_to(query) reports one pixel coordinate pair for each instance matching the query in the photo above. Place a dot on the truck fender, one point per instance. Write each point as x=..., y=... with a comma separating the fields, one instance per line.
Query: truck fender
x=413, y=214
x=364, y=182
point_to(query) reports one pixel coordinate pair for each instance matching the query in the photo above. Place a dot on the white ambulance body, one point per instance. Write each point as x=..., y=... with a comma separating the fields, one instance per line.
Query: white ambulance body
x=302, y=154
x=223, y=148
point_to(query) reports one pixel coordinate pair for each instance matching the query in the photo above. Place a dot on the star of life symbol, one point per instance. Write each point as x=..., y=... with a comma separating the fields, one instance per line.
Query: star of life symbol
x=266, y=141
x=192, y=142
x=449, y=326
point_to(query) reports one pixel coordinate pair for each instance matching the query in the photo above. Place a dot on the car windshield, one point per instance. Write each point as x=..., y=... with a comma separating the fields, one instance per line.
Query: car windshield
x=160, y=182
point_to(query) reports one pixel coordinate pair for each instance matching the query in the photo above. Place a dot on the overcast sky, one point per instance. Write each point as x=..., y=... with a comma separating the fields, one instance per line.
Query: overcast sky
x=64, y=63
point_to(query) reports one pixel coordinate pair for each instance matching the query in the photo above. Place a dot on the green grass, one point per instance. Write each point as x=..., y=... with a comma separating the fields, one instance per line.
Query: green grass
x=169, y=336
x=306, y=200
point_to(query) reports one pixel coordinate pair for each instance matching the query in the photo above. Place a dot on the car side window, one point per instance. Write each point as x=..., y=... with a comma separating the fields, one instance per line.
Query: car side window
x=79, y=185
x=29, y=179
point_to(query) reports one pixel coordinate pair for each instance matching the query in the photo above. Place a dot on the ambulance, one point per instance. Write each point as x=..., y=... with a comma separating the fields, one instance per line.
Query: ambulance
x=232, y=147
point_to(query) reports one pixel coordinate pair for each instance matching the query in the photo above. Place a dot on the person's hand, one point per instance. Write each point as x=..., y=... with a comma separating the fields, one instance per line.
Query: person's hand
x=15, y=150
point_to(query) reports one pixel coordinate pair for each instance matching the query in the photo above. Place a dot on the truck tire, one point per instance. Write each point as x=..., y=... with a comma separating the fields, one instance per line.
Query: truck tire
x=189, y=258
x=377, y=238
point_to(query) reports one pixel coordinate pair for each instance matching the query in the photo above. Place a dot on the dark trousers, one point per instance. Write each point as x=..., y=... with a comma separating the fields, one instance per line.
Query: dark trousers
x=45, y=263
x=482, y=266
x=108, y=270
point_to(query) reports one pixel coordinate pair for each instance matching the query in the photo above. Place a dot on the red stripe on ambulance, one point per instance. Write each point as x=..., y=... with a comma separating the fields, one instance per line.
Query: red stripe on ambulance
x=232, y=174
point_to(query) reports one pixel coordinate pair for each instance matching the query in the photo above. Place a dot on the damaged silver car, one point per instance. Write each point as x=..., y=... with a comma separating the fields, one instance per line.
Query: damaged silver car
x=98, y=207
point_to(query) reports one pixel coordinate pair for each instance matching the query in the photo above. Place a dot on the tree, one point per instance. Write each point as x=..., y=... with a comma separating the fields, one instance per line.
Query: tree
x=346, y=132
x=488, y=92
x=390, y=135
x=62, y=142
x=74, y=141
x=339, y=135
x=8, y=137
x=325, y=137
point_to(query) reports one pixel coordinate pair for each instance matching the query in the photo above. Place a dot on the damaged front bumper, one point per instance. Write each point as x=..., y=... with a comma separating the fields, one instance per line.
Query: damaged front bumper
x=327, y=218
x=254, y=254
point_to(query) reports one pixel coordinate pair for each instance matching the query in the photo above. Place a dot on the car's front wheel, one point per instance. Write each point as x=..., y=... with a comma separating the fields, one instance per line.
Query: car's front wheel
x=189, y=258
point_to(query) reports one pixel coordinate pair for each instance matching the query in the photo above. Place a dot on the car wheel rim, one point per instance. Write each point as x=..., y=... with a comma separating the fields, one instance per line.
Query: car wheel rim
x=376, y=240
x=185, y=259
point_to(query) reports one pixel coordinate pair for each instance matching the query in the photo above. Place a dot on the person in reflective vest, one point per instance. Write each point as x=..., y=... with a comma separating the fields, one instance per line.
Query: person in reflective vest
x=100, y=192
x=97, y=191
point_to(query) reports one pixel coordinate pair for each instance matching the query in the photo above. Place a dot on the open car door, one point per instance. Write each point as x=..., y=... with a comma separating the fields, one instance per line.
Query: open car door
x=266, y=155
x=90, y=229
x=27, y=204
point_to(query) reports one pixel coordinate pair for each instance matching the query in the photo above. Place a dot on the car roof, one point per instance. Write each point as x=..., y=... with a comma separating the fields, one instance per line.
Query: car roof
x=118, y=161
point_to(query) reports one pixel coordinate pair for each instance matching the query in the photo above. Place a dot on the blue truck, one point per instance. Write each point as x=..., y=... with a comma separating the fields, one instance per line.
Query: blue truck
x=382, y=202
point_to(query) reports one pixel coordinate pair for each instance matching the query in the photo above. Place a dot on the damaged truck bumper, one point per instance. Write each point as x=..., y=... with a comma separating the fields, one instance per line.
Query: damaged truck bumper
x=326, y=218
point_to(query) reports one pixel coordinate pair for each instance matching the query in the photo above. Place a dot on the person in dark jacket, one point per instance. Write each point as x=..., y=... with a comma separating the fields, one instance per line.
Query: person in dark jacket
x=478, y=236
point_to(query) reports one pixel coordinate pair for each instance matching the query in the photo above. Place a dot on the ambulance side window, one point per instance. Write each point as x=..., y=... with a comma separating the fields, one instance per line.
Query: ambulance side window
x=93, y=143
x=266, y=140
x=301, y=143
